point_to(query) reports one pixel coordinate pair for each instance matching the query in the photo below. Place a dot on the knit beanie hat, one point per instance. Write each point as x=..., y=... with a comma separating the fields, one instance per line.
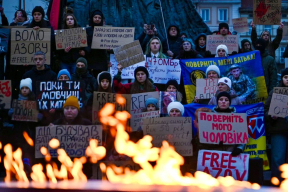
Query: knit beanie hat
x=104, y=75
x=26, y=83
x=39, y=9
x=284, y=72
x=225, y=94
x=213, y=68
x=82, y=60
x=190, y=41
x=222, y=47
x=221, y=25
x=172, y=82
x=175, y=105
x=96, y=12
x=262, y=44
x=226, y=81
x=152, y=101
x=72, y=101
x=64, y=72
x=141, y=68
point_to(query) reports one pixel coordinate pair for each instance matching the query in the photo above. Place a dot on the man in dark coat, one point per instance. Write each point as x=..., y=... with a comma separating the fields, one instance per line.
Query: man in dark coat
x=174, y=40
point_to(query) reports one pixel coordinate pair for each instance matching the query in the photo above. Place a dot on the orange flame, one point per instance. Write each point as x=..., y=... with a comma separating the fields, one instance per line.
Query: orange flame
x=28, y=139
x=54, y=143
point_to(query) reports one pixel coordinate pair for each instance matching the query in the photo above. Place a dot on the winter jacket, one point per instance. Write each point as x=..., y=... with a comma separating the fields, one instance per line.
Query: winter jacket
x=160, y=55
x=174, y=42
x=77, y=121
x=25, y=23
x=202, y=50
x=234, y=99
x=144, y=39
x=188, y=55
x=4, y=20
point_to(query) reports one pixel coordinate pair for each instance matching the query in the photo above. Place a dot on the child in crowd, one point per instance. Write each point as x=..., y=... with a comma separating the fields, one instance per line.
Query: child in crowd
x=105, y=82
x=151, y=104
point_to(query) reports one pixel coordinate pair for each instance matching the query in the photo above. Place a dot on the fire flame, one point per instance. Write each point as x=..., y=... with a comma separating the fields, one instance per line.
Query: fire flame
x=28, y=139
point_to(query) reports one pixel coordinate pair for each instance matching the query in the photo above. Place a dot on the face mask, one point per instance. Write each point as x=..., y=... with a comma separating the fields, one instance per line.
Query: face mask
x=81, y=71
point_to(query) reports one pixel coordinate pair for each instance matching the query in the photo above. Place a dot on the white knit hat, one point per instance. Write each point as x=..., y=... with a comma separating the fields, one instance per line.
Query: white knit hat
x=226, y=81
x=176, y=105
x=26, y=83
x=213, y=68
x=222, y=47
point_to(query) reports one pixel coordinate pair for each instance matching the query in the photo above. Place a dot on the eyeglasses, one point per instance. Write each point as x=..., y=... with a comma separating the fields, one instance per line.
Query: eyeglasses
x=36, y=59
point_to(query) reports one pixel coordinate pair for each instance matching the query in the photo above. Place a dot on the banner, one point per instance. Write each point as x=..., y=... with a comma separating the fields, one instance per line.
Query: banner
x=5, y=94
x=267, y=12
x=4, y=38
x=74, y=38
x=247, y=81
x=162, y=70
x=127, y=72
x=112, y=37
x=136, y=121
x=206, y=88
x=165, y=99
x=240, y=25
x=231, y=41
x=74, y=139
x=175, y=130
x=24, y=110
x=27, y=41
x=279, y=101
x=231, y=128
x=256, y=146
x=53, y=94
x=220, y=163
x=129, y=54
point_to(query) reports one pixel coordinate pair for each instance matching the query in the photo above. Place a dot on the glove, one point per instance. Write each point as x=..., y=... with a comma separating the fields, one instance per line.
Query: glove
x=236, y=151
x=39, y=116
x=10, y=112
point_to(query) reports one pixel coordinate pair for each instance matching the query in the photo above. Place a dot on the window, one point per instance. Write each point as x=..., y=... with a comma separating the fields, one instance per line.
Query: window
x=222, y=14
x=282, y=59
x=268, y=28
x=205, y=14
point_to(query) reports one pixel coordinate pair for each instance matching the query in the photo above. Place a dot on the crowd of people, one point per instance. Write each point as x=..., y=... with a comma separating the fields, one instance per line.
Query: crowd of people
x=91, y=66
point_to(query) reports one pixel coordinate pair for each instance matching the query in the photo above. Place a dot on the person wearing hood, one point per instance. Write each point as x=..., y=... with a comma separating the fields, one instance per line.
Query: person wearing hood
x=245, y=46
x=105, y=83
x=270, y=45
x=221, y=51
x=187, y=50
x=173, y=86
x=268, y=64
x=20, y=18
x=225, y=85
x=174, y=41
x=200, y=43
x=154, y=49
x=223, y=29
x=97, y=58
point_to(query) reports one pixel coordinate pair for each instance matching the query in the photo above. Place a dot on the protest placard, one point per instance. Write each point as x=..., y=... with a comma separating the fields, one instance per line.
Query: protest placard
x=53, y=94
x=240, y=25
x=175, y=130
x=24, y=110
x=4, y=37
x=5, y=94
x=137, y=119
x=25, y=42
x=127, y=72
x=267, y=12
x=163, y=70
x=74, y=38
x=206, y=88
x=74, y=139
x=165, y=99
x=231, y=41
x=279, y=102
x=112, y=37
x=220, y=163
x=231, y=128
x=129, y=54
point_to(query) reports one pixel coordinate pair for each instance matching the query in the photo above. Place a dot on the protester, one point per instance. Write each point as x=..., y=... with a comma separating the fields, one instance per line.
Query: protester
x=38, y=19
x=20, y=18
x=245, y=46
x=4, y=19
x=213, y=72
x=151, y=104
x=141, y=84
x=64, y=75
x=200, y=43
x=221, y=51
x=175, y=109
x=154, y=49
x=174, y=41
x=270, y=45
x=172, y=86
x=224, y=29
x=187, y=50
x=105, y=83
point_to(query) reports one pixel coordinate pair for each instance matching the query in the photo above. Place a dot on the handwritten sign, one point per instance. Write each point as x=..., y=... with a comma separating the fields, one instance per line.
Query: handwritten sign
x=127, y=72
x=267, y=12
x=74, y=38
x=176, y=130
x=279, y=102
x=206, y=88
x=230, y=128
x=74, y=139
x=4, y=38
x=137, y=119
x=240, y=25
x=24, y=110
x=112, y=37
x=129, y=54
x=53, y=94
x=231, y=41
x=163, y=70
x=5, y=94
x=220, y=163
x=25, y=42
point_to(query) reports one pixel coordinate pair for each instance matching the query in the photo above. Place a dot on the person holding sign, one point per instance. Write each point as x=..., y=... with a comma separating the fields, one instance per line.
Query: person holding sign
x=20, y=18
x=38, y=19
x=175, y=109
x=221, y=51
x=63, y=75
x=154, y=49
x=172, y=86
x=187, y=50
x=151, y=104
x=200, y=43
x=105, y=83
x=141, y=84
x=278, y=130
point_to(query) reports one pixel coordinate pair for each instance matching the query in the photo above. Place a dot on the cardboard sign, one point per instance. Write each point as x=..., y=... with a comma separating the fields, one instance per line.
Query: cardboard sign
x=231, y=41
x=220, y=163
x=112, y=37
x=127, y=72
x=74, y=38
x=53, y=94
x=137, y=119
x=267, y=12
x=240, y=25
x=206, y=88
x=165, y=99
x=231, y=128
x=5, y=94
x=4, y=38
x=25, y=42
x=24, y=110
x=279, y=102
x=73, y=138
x=163, y=70
x=176, y=130
x=129, y=54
